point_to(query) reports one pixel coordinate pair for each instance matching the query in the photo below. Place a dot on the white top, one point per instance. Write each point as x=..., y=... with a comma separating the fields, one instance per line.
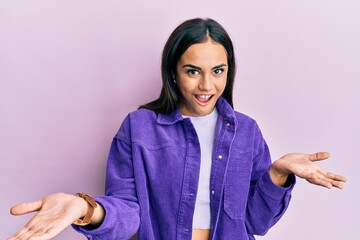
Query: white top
x=205, y=129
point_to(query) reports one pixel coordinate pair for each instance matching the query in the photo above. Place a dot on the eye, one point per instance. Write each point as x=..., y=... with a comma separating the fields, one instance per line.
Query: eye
x=218, y=71
x=192, y=72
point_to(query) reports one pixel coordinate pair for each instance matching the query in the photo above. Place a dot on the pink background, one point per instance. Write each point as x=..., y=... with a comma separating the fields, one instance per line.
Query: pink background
x=71, y=70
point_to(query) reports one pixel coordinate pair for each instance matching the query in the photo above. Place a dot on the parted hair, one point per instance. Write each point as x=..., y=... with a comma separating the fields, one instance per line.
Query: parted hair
x=190, y=32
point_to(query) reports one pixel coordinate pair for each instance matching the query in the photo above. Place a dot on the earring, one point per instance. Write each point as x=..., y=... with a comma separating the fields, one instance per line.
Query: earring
x=174, y=81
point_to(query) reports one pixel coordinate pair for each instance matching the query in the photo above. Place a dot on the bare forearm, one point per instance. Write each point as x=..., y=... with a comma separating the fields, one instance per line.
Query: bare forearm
x=277, y=177
x=98, y=217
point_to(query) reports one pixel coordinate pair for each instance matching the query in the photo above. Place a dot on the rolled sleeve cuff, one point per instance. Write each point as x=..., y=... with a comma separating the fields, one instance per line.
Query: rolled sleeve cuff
x=89, y=233
x=273, y=191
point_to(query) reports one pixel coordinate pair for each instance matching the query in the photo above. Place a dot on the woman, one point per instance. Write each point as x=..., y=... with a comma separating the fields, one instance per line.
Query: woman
x=185, y=166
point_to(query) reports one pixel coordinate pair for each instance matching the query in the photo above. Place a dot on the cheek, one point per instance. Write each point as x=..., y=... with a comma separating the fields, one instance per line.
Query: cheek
x=186, y=85
x=184, y=90
x=222, y=84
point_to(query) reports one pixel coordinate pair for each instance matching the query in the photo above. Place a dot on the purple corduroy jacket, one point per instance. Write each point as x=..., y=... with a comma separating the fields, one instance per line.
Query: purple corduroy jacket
x=153, y=172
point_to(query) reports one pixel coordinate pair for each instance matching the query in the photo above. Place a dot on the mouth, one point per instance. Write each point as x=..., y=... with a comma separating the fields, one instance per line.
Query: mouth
x=203, y=98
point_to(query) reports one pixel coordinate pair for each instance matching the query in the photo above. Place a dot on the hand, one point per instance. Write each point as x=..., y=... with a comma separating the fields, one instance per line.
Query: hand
x=304, y=166
x=56, y=212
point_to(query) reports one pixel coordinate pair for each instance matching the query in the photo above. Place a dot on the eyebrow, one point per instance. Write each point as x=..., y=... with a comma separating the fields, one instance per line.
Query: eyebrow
x=199, y=68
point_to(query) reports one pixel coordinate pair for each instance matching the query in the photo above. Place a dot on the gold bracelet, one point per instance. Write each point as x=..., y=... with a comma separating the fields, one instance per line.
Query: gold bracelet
x=91, y=208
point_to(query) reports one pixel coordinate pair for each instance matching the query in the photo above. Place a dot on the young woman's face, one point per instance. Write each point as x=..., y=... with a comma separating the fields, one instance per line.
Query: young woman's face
x=201, y=75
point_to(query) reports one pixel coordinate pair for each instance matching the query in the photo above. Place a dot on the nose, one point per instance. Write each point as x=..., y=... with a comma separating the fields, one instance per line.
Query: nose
x=205, y=83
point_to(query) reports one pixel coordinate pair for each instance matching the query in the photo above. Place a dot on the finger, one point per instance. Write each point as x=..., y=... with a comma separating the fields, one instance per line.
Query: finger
x=31, y=227
x=318, y=178
x=49, y=234
x=334, y=183
x=44, y=234
x=320, y=182
x=318, y=156
x=40, y=230
x=336, y=177
x=24, y=208
x=52, y=230
x=24, y=233
x=332, y=176
x=31, y=230
x=335, y=180
x=337, y=184
x=325, y=181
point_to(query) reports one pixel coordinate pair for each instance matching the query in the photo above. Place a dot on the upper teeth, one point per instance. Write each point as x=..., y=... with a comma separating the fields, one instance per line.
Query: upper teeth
x=204, y=96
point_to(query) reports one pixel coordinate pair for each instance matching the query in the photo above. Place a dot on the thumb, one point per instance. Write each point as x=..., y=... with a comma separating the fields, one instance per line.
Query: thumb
x=24, y=208
x=318, y=156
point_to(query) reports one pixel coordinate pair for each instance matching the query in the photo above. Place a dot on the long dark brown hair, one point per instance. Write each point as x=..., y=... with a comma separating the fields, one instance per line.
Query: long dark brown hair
x=190, y=32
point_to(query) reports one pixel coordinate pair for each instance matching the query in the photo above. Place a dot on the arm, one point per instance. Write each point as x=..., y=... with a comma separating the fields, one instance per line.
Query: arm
x=271, y=184
x=117, y=213
x=267, y=202
x=120, y=202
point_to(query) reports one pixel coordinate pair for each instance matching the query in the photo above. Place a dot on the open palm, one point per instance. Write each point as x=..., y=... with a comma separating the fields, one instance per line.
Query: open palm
x=55, y=213
x=304, y=166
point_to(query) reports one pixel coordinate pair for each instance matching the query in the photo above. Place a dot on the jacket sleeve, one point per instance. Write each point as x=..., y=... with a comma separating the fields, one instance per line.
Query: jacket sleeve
x=267, y=202
x=120, y=200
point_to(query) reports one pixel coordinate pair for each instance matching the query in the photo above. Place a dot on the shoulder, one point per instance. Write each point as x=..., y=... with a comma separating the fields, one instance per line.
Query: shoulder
x=248, y=126
x=249, y=136
x=142, y=115
x=137, y=119
x=244, y=119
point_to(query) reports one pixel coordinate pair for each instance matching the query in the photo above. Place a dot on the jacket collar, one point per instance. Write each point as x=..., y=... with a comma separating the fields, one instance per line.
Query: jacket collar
x=223, y=107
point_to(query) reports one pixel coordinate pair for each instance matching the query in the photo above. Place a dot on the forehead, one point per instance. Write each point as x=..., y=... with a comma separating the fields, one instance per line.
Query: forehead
x=204, y=54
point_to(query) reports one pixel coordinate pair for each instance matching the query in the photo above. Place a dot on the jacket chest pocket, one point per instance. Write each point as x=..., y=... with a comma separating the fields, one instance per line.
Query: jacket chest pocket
x=237, y=184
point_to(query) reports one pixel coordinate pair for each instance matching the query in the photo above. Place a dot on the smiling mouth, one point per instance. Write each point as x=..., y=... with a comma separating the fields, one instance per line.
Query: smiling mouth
x=203, y=98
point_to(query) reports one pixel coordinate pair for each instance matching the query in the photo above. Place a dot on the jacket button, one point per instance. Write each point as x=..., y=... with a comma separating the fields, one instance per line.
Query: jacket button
x=219, y=156
x=227, y=124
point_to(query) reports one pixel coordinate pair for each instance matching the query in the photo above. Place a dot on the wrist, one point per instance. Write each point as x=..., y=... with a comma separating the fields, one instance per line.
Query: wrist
x=88, y=211
x=278, y=177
